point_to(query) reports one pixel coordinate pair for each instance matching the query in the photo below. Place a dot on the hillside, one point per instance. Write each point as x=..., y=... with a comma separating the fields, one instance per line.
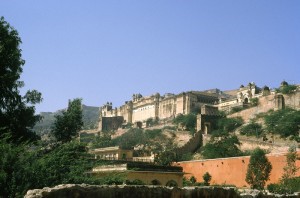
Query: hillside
x=90, y=119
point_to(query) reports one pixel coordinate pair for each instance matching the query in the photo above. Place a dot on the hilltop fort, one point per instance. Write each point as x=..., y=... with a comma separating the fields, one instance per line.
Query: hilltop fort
x=165, y=107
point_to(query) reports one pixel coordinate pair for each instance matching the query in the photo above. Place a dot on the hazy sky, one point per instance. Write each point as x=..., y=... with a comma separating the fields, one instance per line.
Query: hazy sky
x=107, y=50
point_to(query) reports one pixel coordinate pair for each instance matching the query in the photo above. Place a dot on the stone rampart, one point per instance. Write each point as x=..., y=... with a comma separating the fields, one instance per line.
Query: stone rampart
x=267, y=103
x=93, y=191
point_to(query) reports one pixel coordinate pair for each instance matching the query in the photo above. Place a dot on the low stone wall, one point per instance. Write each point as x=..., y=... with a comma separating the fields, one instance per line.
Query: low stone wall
x=93, y=191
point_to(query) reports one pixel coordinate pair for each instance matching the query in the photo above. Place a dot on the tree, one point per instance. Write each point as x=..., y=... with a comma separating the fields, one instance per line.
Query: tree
x=290, y=168
x=207, y=178
x=221, y=144
x=166, y=158
x=252, y=129
x=189, y=121
x=17, y=113
x=229, y=124
x=284, y=122
x=67, y=125
x=259, y=169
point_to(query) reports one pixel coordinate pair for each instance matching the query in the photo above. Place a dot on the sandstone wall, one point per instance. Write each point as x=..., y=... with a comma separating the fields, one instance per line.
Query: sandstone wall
x=293, y=100
x=232, y=170
x=167, y=108
x=265, y=104
x=143, y=113
x=268, y=103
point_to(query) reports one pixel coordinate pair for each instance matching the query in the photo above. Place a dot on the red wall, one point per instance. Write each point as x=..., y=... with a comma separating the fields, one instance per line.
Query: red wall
x=232, y=170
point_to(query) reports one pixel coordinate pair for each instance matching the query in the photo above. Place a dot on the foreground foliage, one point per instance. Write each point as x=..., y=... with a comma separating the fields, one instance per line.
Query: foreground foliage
x=27, y=166
x=17, y=112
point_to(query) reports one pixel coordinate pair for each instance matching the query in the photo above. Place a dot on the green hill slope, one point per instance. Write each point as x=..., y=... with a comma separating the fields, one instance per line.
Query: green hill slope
x=90, y=119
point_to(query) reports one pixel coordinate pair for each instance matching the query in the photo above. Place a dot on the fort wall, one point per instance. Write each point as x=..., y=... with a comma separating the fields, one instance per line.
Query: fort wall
x=232, y=170
x=270, y=102
x=140, y=108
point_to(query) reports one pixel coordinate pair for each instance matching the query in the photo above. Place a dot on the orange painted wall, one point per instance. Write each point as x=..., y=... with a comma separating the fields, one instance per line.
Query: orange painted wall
x=232, y=170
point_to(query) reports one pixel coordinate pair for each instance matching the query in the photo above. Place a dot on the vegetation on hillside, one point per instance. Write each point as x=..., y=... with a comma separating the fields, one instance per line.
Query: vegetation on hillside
x=223, y=142
x=252, y=129
x=187, y=122
x=284, y=122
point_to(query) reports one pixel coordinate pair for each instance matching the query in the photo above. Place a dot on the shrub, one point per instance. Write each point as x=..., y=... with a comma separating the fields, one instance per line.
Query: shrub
x=206, y=178
x=286, y=89
x=193, y=179
x=229, y=124
x=151, y=122
x=221, y=144
x=290, y=187
x=153, y=133
x=284, y=122
x=236, y=109
x=251, y=129
x=134, y=182
x=188, y=121
x=254, y=102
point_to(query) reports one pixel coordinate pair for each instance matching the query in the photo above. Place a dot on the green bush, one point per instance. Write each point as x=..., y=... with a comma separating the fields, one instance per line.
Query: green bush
x=221, y=145
x=292, y=186
x=286, y=89
x=229, y=124
x=254, y=102
x=151, y=122
x=284, y=122
x=252, y=129
x=193, y=179
x=206, y=178
x=236, y=109
x=188, y=121
x=134, y=182
x=153, y=133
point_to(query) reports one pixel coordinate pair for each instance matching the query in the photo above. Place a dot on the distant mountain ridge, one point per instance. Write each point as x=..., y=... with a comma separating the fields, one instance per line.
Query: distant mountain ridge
x=90, y=119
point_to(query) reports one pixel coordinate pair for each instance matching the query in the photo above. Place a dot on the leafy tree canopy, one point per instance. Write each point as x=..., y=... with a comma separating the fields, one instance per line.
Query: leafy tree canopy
x=221, y=145
x=67, y=125
x=189, y=121
x=252, y=129
x=284, y=122
x=229, y=124
x=259, y=169
x=17, y=113
x=286, y=89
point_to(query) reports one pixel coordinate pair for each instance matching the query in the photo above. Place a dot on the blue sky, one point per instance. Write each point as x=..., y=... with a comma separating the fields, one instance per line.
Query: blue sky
x=107, y=50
